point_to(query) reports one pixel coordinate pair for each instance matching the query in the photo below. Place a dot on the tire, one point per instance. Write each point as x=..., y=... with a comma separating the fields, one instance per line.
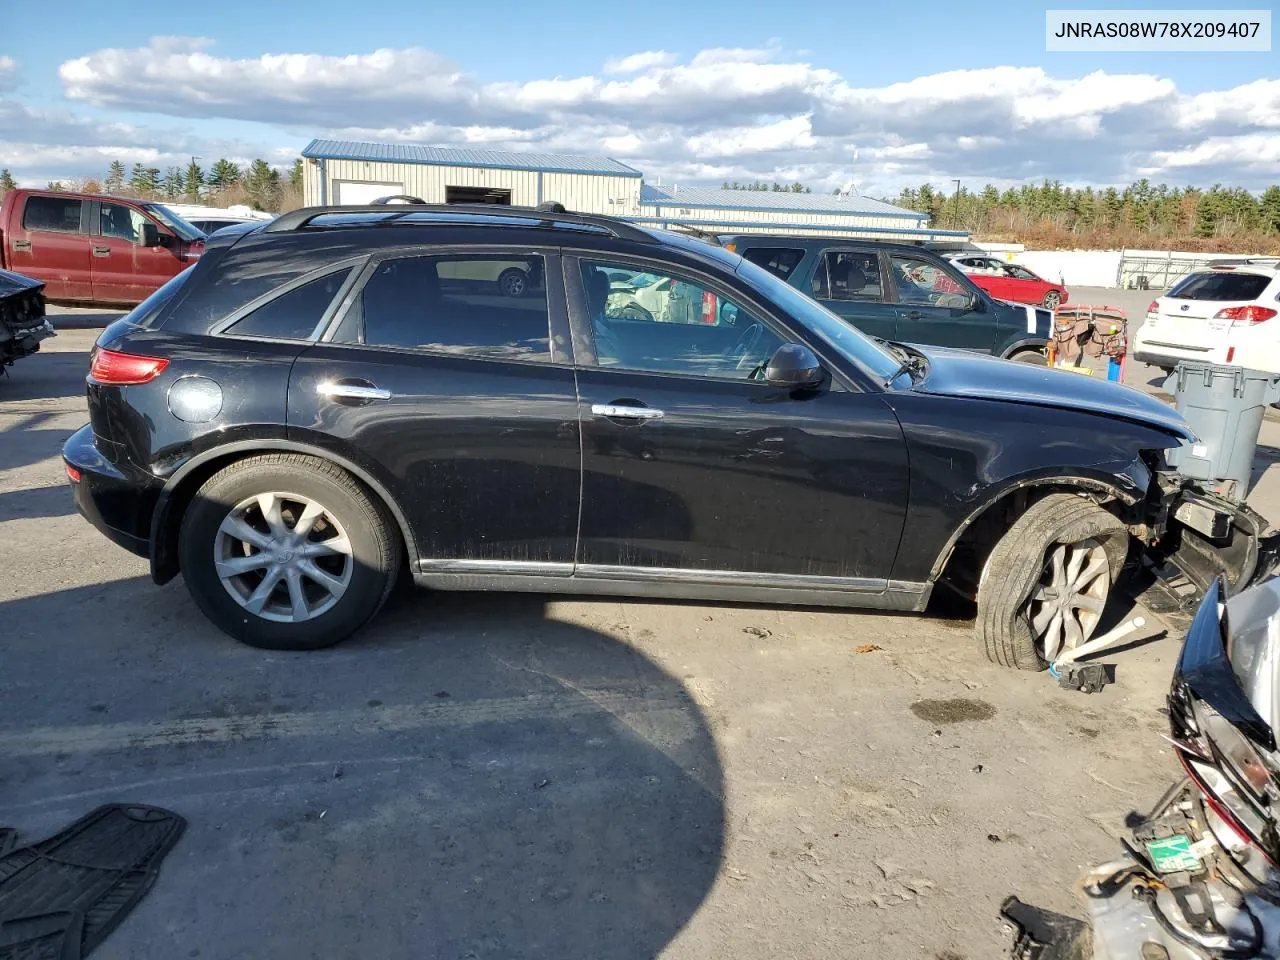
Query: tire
x=1034, y=357
x=365, y=570
x=1051, y=300
x=513, y=282
x=1019, y=561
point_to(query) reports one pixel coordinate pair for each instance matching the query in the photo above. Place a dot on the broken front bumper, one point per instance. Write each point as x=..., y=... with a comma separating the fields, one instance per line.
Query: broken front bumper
x=22, y=342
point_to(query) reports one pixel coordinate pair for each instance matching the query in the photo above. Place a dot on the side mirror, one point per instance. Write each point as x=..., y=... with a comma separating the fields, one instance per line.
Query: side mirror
x=976, y=304
x=793, y=365
x=149, y=235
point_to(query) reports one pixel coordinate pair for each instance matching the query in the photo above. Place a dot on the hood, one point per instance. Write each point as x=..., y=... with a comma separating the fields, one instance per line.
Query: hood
x=11, y=283
x=958, y=373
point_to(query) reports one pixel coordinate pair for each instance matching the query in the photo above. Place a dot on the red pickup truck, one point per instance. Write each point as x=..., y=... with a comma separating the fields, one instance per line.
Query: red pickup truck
x=91, y=249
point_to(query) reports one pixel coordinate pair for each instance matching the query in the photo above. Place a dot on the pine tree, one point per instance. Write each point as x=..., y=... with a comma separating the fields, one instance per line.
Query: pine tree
x=223, y=174
x=1268, y=206
x=173, y=183
x=193, y=181
x=7, y=182
x=295, y=174
x=137, y=176
x=262, y=184
x=115, y=177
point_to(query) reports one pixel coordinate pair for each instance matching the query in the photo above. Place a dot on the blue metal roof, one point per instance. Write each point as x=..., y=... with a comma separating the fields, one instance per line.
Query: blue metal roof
x=715, y=198
x=465, y=157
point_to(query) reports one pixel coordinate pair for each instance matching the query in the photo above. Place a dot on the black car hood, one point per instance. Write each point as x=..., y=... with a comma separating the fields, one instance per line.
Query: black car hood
x=958, y=373
x=11, y=283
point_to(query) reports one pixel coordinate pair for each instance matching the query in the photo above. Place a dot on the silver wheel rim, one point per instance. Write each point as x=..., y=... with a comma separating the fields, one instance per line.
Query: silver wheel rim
x=1067, y=603
x=514, y=284
x=283, y=557
x=1051, y=301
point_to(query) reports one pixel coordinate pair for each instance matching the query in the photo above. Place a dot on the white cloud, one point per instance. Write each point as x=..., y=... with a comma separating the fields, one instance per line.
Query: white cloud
x=724, y=113
x=8, y=73
x=636, y=62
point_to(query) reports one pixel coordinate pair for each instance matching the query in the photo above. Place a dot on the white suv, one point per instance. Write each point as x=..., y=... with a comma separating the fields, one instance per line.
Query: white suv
x=1226, y=313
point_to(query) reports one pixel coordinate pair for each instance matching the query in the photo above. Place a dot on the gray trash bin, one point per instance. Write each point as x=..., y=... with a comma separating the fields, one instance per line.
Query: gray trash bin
x=1224, y=406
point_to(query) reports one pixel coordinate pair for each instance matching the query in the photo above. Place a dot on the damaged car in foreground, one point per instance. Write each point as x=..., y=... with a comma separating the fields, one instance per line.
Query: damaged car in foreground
x=319, y=405
x=1201, y=873
x=22, y=320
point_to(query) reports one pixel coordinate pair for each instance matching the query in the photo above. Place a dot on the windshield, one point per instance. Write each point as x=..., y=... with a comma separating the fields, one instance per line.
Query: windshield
x=878, y=362
x=174, y=222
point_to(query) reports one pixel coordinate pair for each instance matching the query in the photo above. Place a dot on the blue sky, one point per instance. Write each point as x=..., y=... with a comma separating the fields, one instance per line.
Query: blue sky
x=873, y=94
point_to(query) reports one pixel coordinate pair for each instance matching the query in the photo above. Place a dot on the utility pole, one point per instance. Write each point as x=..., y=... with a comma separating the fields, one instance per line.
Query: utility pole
x=955, y=205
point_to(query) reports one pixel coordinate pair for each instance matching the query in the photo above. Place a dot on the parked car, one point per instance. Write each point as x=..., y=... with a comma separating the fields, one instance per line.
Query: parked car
x=291, y=442
x=208, y=219
x=1012, y=281
x=22, y=320
x=1224, y=313
x=90, y=249
x=900, y=293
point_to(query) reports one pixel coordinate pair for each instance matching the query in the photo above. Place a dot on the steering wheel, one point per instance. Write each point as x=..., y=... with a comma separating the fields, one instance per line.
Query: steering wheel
x=740, y=352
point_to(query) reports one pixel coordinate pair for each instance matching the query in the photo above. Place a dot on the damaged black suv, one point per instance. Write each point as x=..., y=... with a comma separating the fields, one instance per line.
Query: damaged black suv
x=345, y=395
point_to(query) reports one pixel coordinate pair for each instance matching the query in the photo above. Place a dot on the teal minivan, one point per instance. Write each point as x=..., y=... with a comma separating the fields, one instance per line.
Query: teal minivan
x=901, y=293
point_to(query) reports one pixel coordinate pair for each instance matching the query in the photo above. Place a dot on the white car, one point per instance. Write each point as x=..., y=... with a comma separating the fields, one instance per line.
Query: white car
x=974, y=263
x=1227, y=313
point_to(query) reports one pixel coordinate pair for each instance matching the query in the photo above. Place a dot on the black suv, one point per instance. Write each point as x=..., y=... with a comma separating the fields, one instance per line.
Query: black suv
x=901, y=293
x=339, y=396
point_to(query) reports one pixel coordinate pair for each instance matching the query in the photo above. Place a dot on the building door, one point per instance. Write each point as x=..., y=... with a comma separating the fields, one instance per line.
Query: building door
x=352, y=192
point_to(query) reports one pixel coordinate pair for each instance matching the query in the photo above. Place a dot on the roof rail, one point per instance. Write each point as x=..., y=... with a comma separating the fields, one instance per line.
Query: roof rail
x=298, y=219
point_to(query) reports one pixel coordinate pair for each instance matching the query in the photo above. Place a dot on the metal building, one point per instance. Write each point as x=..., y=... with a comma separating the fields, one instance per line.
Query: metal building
x=346, y=171
x=797, y=214
x=352, y=172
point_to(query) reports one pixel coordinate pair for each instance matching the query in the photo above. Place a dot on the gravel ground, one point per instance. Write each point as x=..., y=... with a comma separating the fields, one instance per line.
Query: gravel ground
x=514, y=776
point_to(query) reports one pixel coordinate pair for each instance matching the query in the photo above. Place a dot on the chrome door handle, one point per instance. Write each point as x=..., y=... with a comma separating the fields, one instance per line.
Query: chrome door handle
x=625, y=413
x=101, y=251
x=352, y=391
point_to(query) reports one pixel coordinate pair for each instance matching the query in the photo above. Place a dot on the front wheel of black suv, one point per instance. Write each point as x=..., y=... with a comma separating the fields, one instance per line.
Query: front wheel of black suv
x=1045, y=585
x=287, y=552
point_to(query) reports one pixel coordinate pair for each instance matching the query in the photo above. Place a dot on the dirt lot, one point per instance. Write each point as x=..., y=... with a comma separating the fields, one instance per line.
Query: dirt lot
x=498, y=777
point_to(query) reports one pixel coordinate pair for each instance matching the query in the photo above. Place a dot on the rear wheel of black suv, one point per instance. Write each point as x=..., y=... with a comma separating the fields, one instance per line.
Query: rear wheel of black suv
x=1045, y=586
x=287, y=552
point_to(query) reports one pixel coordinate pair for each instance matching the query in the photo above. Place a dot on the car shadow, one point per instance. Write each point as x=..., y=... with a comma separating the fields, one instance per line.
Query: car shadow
x=467, y=777
x=1264, y=457
x=45, y=376
x=40, y=502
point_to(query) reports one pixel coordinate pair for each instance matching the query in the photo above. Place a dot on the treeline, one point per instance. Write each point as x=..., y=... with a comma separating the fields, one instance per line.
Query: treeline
x=1049, y=215
x=761, y=187
x=224, y=184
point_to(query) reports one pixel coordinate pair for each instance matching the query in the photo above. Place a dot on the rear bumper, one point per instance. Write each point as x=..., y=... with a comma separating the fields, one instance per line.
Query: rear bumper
x=118, y=505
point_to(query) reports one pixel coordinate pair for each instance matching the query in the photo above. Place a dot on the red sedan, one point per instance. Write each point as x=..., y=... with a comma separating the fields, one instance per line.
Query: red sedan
x=1009, y=281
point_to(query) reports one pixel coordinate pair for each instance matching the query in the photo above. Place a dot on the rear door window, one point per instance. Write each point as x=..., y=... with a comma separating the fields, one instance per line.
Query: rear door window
x=1220, y=285
x=56, y=214
x=849, y=275
x=492, y=306
x=780, y=261
x=923, y=282
x=294, y=315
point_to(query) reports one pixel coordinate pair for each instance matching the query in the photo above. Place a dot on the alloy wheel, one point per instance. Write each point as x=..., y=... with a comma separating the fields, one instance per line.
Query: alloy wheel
x=283, y=557
x=1067, y=603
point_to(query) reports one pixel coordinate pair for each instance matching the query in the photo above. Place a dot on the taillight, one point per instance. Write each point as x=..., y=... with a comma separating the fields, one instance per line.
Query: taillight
x=1250, y=314
x=1153, y=306
x=73, y=474
x=117, y=369
x=710, y=305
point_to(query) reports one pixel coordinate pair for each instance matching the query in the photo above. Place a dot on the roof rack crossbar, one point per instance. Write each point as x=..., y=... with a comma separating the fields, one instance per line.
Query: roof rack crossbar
x=298, y=219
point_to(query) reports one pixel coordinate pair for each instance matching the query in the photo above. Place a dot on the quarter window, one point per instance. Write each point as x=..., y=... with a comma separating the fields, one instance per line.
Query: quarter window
x=926, y=283
x=492, y=306
x=58, y=214
x=293, y=315
x=1220, y=285
x=660, y=323
x=849, y=275
x=780, y=261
